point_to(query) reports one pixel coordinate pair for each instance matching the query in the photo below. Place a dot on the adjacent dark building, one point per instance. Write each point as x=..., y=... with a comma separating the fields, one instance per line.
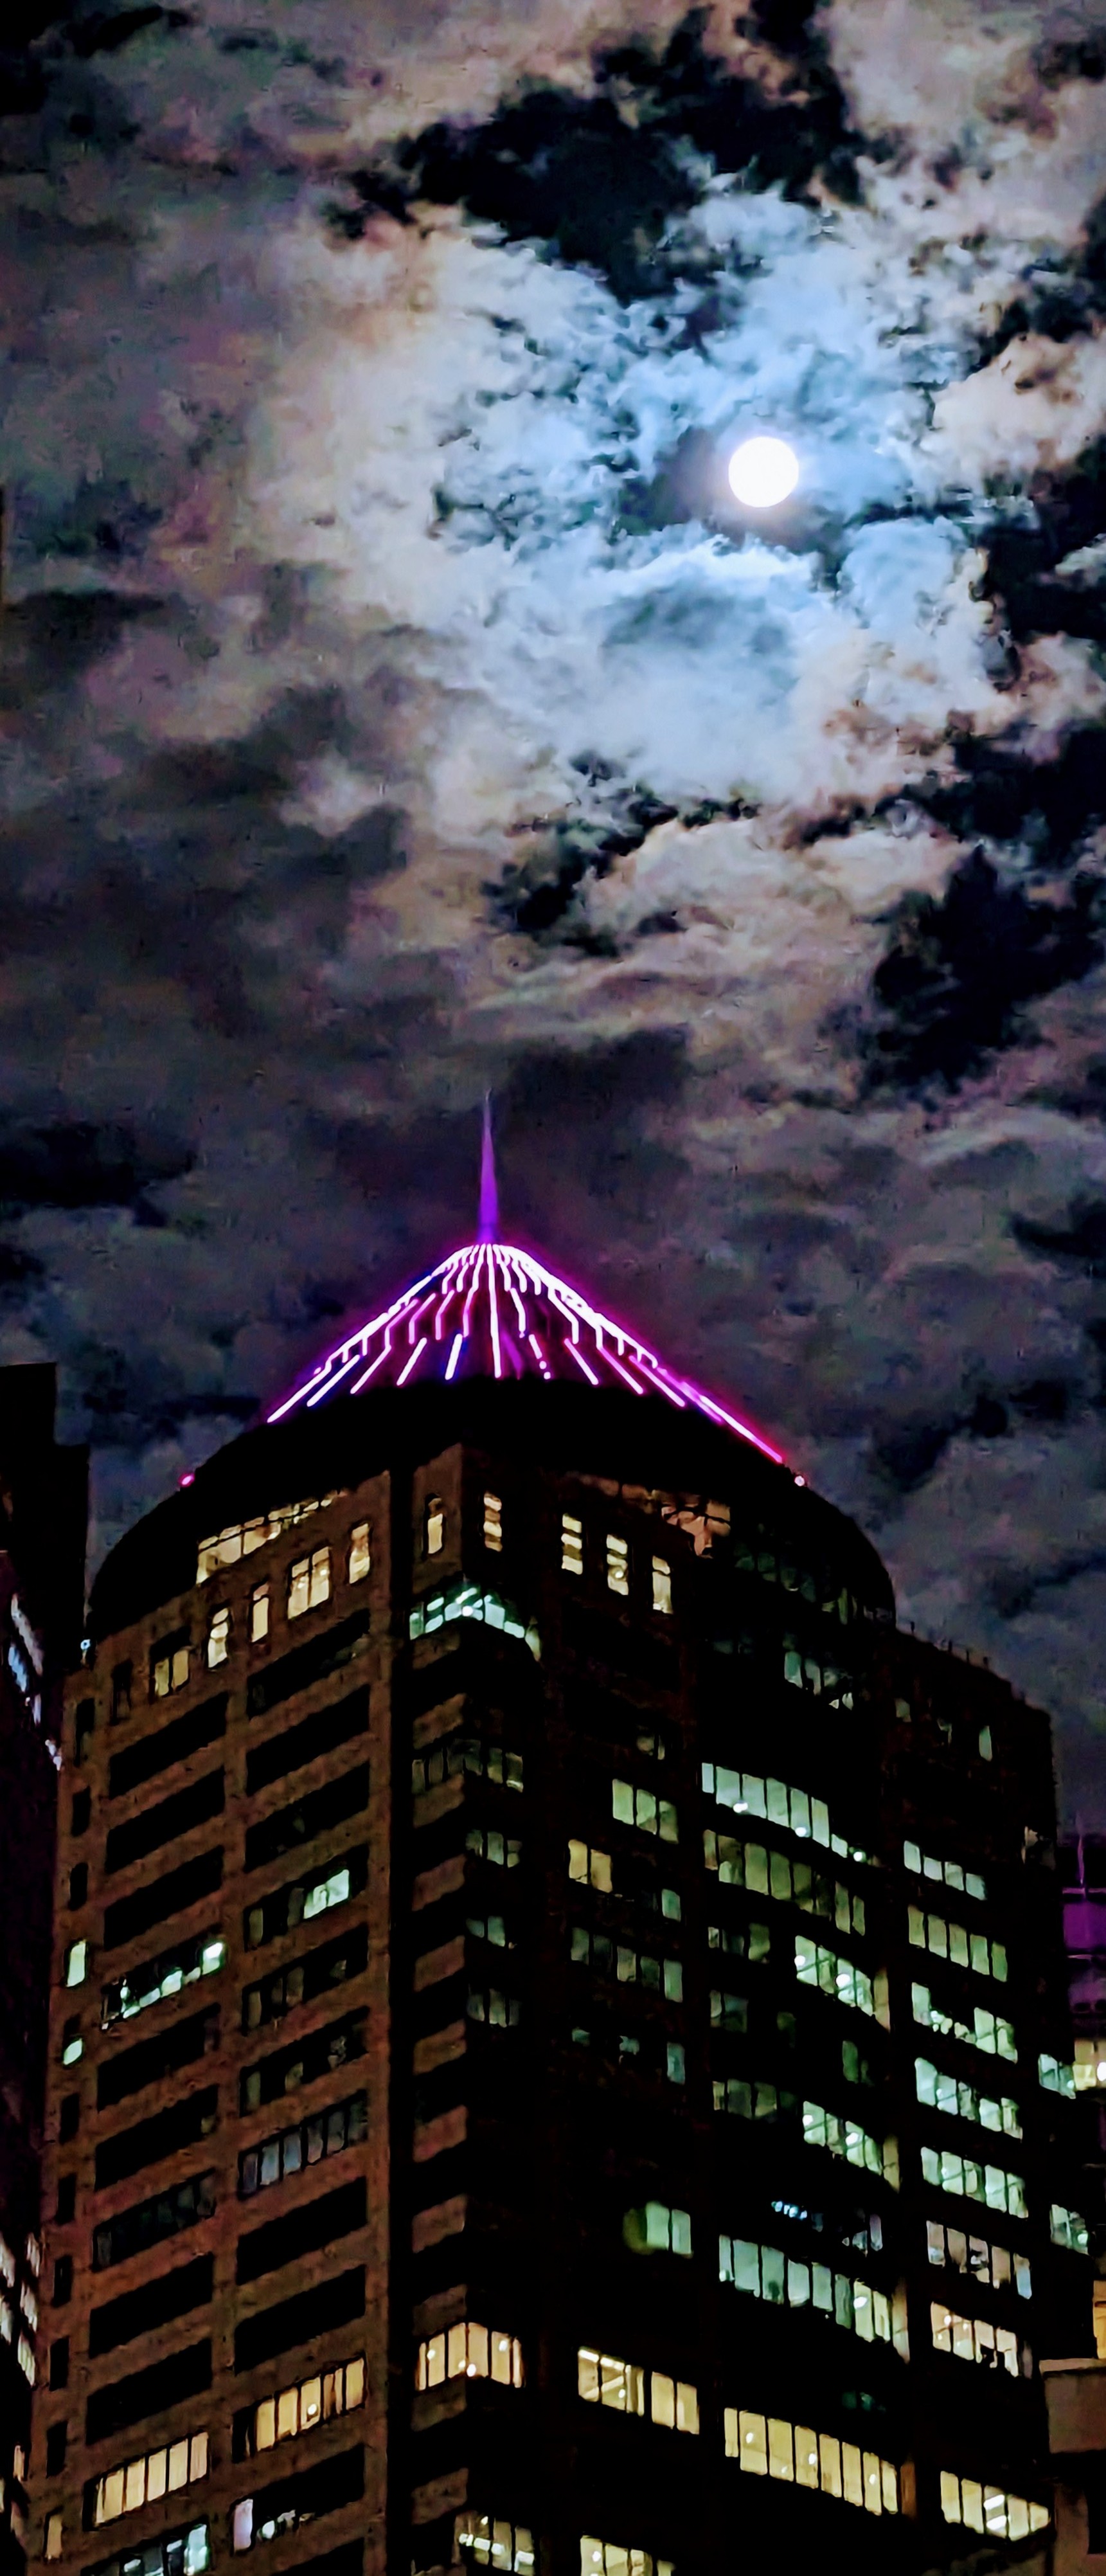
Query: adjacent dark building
x=43, y=1507
x=560, y=2055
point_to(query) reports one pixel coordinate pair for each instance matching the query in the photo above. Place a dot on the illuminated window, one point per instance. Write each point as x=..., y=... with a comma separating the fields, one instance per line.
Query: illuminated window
x=1066, y=2227
x=990, y=2509
x=978, y=2256
x=1056, y=2076
x=749, y=2100
x=433, y=1526
x=447, y=1761
x=1090, y=2064
x=764, y=2272
x=618, y=1565
x=952, y=2172
x=493, y=1523
x=814, y=1673
x=843, y=2138
x=302, y=1900
x=76, y=1963
x=308, y=2402
x=766, y=2447
x=168, y=1667
x=259, y=1613
x=178, y=2553
x=468, y=2351
x=629, y=2389
x=52, y=2538
x=360, y=1553
x=616, y=2558
x=218, y=1638
x=314, y=1972
x=588, y=1867
x=840, y=1978
x=29, y=2306
x=790, y=1881
x=662, y=1585
x=291, y=2151
x=942, y=2092
x=467, y=1601
x=986, y=1748
x=986, y=2030
x=72, y=2045
x=146, y=2480
x=151, y=1979
x=656, y=2229
x=489, y=2004
x=502, y=1850
x=950, y=1941
x=481, y=2540
x=630, y=1967
x=25, y=2356
x=967, y=1882
x=640, y=1807
x=242, y=1538
x=572, y=1544
x=973, y=2339
x=309, y=1582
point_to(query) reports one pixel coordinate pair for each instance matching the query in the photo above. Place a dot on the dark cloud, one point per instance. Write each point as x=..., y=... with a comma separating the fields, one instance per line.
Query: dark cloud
x=962, y=970
x=76, y=1165
x=1078, y=1245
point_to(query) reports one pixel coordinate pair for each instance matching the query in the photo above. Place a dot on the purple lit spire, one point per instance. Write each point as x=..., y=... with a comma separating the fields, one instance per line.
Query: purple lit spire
x=488, y=1228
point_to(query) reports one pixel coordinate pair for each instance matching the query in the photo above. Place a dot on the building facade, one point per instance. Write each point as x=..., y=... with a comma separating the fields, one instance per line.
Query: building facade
x=560, y=2053
x=43, y=1509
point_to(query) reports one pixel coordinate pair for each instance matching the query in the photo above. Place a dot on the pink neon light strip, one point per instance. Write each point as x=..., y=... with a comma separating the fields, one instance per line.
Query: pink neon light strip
x=408, y=1365
x=371, y=1372
x=581, y=1362
x=493, y=1303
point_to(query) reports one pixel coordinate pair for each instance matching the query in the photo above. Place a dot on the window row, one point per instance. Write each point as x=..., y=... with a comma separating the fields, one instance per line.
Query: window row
x=290, y=2151
x=952, y=2172
x=291, y=2502
x=842, y=1979
x=301, y=1980
x=990, y=2509
x=823, y=2128
x=751, y=1941
x=629, y=1967
x=949, y=1873
x=143, y=2481
x=150, y=1981
x=489, y=1927
x=973, y=1950
x=656, y=2229
x=503, y=1851
x=750, y=2100
x=810, y=1672
x=647, y=2052
x=588, y=1867
x=773, y=1873
x=483, y=2540
x=241, y=1538
x=465, y=1600
x=747, y=1793
x=309, y=1585
x=153, y=2222
x=617, y=1564
x=468, y=2351
x=942, y=2092
x=986, y=2030
x=973, y=2339
x=288, y=2069
x=994, y=2265
x=768, y=2447
x=490, y=2004
x=1055, y=2075
x=650, y=1814
x=617, y=2558
x=9, y=2333
x=1067, y=2228
x=308, y=2402
x=817, y=1589
x=301, y=1901
x=630, y=2389
x=173, y=2553
x=457, y=1754
x=763, y=2272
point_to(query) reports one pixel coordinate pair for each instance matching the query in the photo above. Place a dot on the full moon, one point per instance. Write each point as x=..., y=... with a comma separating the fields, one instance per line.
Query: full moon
x=762, y=472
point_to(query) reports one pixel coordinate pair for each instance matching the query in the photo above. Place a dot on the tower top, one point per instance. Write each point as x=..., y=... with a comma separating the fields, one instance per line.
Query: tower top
x=488, y=1223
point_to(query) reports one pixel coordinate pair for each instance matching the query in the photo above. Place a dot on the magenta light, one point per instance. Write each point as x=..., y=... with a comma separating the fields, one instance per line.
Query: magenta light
x=408, y=1365
x=454, y=1356
x=190, y=1479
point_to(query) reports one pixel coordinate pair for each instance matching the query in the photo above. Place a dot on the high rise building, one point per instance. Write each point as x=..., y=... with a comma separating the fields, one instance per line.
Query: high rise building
x=560, y=2052
x=43, y=1507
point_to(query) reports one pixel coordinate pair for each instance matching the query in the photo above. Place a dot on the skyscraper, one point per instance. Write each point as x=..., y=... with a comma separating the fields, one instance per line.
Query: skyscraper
x=560, y=2053
x=43, y=1504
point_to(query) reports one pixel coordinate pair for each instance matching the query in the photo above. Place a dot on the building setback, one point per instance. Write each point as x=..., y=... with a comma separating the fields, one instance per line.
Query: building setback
x=560, y=2053
x=43, y=1508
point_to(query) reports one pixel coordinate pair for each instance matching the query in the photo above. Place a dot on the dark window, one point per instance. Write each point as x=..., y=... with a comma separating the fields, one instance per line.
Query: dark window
x=1095, y=2473
x=63, y=2280
x=164, y=1823
x=78, y=1885
x=56, y=2438
x=288, y=2502
x=59, y=2362
x=156, y=2304
x=304, y=2230
x=326, y=2134
x=321, y=1733
x=172, y=2554
x=67, y=2199
x=69, y=2117
x=346, y=2561
x=300, y=2320
x=302, y=1979
x=81, y=1812
x=318, y=1813
x=150, y=2222
x=154, y=2059
x=121, y=1680
x=153, y=1753
x=84, y=1728
x=300, y=1899
x=181, y=2125
x=171, y=1893
x=148, y=2392
x=314, y=1661
x=289, y=2068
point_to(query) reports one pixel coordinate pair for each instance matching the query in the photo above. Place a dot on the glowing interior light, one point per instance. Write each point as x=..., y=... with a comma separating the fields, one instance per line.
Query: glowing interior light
x=763, y=472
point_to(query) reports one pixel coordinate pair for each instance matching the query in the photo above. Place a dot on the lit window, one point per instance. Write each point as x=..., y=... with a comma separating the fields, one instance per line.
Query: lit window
x=32, y=2255
x=662, y=1585
x=656, y=2229
x=168, y=1667
x=1066, y=2227
x=766, y=2447
x=616, y=2558
x=241, y=1538
x=952, y=2172
x=990, y=2509
x=618, y=1565
x=7, y=2263
x=942, y=2092
x=588, y=1867
x=1056, y=2076
x=504, y=1851
x=946, y=1940
x=823, y=2128
x=151, y=1979
x=840, y=1978
x=294, y=2150
x=625, y=2386
x=52, y=2541
x=360, y=1553
x=979, y=2257
x=764, y=2272
x=493, y=1523
x=72, y=2045
x=76, y=1963
x=259, y=1613
x=309, y=1582
x=973, y=2339
x=985, y=2030
x=986, y=1751
x=468, y=1601
x=145, y=2481
x=481, y=2541
x=218, y=1638
x=309, y=2402
x=951, y=1873
x=491, y=2005
x=640, y=1807
x=469, y=2351
x=25, y=2356
x=433, y=1526
x=29, y=2306
x=572, y=1544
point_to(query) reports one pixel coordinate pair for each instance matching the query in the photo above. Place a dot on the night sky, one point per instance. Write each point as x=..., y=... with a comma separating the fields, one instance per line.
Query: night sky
x=393, y=703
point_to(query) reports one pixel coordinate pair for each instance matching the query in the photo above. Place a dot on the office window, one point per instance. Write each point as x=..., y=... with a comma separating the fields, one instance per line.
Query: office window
x=72, y=2044
x=308, y=2402
x=766, y=2447
x=990, y=2509
x=481, y=2540
x=433, y=1526
x=986, y=2030
x=168, y=1667
x=489, y=2004
x=53, y=2539
x=588, y=1867
x=946, y=1940
x=178, y=2553
x=121, y=1682
x=259, y=1613
x=1055, y=2075
x=840, y=1978
x=1067, y=2228
x=218, y=1638
x=290, y=2151
x=748, y=2100
x=76, y=1963
x=572, y=1544
x=299, y=1980
x=359, y=1562
x=973, y=2339
x=815, y=1673
x=662, y=1586
x=740, y=1940
x=618, y=2558
x=502, y=1850
x=143, y=2481
x=984, y=2261
x=489, y=1927
x=309, y=1582
x=776, y=1874
x=764, y=2272
x=949, y=1873
x=242, y=1538
x=493, y=1523
x=950, y=2171
x=823, y=2128
x=948, y=2093
x=629, y=2389
x=152, y=2222
x=656, y=2229
x=465, y=1600
x=628, y=1966
x=618, y=1565
x=151, y=1979
x=302, y=1899
x=641, y=1807
x=468, y=2351
x=285, y=2070
x=25, y=2356
x=747, y=1792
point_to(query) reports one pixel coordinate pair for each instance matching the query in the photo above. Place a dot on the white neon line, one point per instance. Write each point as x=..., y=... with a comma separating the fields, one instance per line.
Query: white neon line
x=493, y=1305
x=581, y=1362
x=408, y=1365
x=454, y=1356
x=512, y=1291
x=419, y=1310
x=447, y=1300
x=742, y=1428
x=371, y=1372
x=472, y=1293
x=623, y=1372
